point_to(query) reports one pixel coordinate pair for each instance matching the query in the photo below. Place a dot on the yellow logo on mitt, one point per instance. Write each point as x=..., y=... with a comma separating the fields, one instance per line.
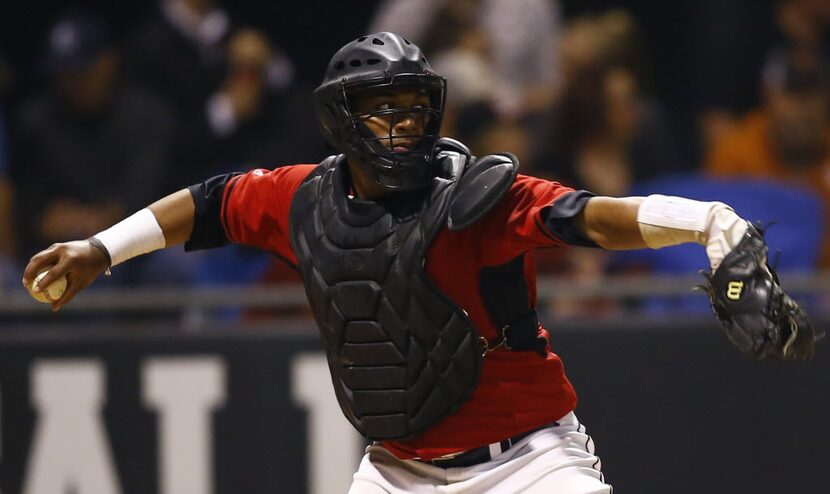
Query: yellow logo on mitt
x=734, y=289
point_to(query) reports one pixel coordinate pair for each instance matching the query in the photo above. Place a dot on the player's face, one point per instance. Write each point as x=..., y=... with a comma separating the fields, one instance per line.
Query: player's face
x=395, y=116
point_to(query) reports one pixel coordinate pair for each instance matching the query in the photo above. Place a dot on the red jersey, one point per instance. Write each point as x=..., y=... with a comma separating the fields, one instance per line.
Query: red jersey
x=517, y=390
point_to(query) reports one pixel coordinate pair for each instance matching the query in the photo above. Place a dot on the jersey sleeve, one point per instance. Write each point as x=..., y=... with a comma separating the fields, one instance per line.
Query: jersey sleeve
x=534, y=213
x=250, y=209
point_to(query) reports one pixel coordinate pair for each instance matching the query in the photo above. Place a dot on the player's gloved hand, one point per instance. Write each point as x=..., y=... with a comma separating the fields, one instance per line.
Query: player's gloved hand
x=80, y=261
x=754, y=311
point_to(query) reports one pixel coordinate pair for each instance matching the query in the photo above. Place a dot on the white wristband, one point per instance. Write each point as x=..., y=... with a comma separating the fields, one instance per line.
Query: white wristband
x=669, y=220
x=136, y=235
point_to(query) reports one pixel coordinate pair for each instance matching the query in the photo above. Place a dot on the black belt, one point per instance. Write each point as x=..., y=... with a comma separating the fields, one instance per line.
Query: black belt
x=484, y=453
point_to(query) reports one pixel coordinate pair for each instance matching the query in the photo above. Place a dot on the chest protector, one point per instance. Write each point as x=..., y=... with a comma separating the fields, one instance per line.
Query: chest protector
x=402, y=355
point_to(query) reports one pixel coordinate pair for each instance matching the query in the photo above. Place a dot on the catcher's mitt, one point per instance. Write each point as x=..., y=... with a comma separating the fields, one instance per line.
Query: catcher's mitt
x=756, y=314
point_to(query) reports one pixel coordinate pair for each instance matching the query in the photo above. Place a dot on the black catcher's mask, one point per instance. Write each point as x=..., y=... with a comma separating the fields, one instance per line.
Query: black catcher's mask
x=381, y=62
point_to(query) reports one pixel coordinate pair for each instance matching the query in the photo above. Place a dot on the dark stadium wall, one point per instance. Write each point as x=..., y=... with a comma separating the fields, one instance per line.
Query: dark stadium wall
x=672, y=408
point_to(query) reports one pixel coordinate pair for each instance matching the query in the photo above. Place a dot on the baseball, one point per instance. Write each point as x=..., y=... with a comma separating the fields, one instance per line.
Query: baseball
x=50, y=293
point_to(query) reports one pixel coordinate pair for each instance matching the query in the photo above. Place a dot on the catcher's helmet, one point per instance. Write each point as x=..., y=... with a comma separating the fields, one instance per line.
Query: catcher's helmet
x=376, y=62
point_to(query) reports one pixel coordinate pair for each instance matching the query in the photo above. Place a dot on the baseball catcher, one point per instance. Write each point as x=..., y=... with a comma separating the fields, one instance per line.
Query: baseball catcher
x=417, y=261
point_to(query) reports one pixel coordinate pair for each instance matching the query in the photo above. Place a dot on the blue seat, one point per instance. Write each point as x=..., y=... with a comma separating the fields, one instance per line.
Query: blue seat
x=232, y=265
x=794, y=216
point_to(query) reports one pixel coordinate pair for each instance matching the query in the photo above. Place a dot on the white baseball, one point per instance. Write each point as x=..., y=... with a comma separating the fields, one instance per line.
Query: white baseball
x=48, y=294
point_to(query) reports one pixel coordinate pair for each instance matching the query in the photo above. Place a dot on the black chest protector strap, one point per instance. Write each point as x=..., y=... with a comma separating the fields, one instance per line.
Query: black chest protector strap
x=504, y=291
x=503, y=288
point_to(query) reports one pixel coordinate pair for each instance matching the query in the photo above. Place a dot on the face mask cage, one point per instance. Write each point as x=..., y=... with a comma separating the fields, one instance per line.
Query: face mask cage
x=403, y=152
x=405, y=144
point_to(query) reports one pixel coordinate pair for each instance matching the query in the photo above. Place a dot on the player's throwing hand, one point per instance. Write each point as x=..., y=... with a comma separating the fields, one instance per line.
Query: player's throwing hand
x=79, y=261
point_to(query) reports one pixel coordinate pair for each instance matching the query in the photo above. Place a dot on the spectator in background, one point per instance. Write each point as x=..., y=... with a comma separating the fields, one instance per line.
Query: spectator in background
x=788, y=138
x=604, y=134
x=258, y=115
x=729, y=59
x=608, y=132
x=233, y=91
x=180, y=57
x=520, y=36
x=500, y=58
x=462, y=54
x=236, y=102
x=180, y=54
x=261, y=119
x=804, y=24
x=91, y=148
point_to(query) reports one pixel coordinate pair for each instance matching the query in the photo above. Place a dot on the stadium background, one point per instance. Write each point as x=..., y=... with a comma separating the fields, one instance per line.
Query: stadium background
x=213, y=386
x=690, y=41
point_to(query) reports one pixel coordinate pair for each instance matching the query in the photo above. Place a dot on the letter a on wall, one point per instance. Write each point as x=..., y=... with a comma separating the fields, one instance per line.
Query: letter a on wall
x=70, y=451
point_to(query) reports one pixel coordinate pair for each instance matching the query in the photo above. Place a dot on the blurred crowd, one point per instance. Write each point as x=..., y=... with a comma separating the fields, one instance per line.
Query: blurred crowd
x=122, y=120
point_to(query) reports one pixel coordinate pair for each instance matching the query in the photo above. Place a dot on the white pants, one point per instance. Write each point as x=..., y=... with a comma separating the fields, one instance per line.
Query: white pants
x=555, y=460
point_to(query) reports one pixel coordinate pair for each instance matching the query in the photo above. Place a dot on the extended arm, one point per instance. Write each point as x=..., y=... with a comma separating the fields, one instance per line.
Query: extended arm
x=165, y=223
x=660, y=221
x=747, y=298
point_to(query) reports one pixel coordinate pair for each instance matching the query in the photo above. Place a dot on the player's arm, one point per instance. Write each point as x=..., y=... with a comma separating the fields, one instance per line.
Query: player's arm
x=175, y=215
x=250, y=209
x=747, y=298
x=612, y=222
x=660, y=221
x=165, y=223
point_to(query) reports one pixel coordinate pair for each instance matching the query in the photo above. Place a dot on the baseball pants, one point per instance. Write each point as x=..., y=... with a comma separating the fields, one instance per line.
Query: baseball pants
x=558, y=459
